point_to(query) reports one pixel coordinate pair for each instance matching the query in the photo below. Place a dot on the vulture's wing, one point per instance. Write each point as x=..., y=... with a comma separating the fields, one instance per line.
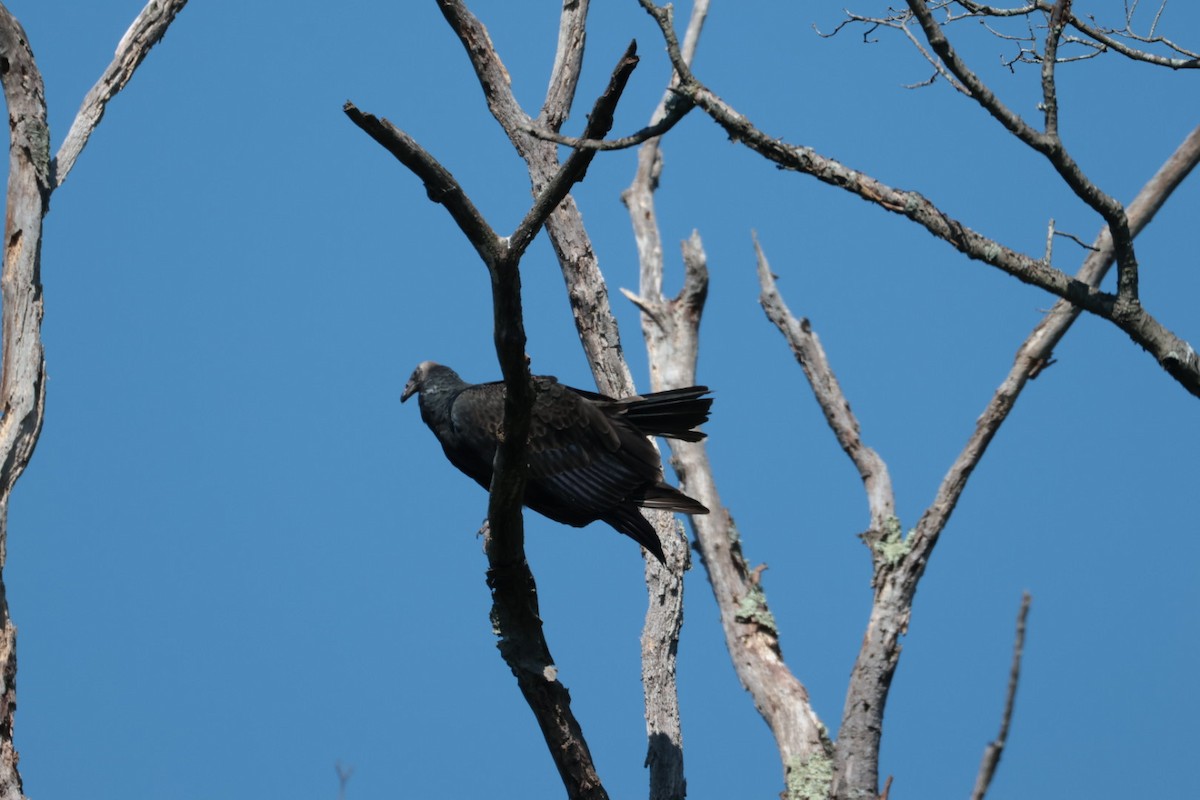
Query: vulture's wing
x=476, y=417
x=581, y=464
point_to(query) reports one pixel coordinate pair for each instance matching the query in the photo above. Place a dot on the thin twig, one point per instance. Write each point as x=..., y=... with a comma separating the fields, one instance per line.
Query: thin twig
x=1111, y=39
x=1095, y=36
x=1047, y=143
x=995, y=748
x=1074, y=239
x=672, y=109
x=676, y=111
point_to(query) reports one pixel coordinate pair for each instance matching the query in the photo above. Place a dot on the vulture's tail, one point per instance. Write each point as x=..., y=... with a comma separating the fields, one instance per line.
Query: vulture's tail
x=661, y=495
x=675, y=413
x=629, y=521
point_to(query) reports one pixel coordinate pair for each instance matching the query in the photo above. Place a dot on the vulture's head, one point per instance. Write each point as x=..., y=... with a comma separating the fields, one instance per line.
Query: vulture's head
x=436, y=384
x=416, y=382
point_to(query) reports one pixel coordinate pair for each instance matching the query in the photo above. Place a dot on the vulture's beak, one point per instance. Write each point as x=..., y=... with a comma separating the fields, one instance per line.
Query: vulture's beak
x=410, y=388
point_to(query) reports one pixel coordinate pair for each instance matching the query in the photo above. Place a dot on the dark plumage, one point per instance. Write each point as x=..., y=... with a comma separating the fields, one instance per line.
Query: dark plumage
x=589, y=455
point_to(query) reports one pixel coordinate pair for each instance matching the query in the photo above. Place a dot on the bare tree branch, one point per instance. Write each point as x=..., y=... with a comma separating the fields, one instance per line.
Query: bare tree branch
x=855, y=773
x=978, y=9
x=899, y=21
x=639, y=200
x=600, y=337
x=600, y=121
x=896, y=578
x=440, y=185
x=1039, y=346
x=23, y=383
x=568, y=63
x=32, y=177
x=672, y=365
x=751, y=635
x=585, y=285
x=899, y=560
x=1094, y=39
x=1050, y=59
x=1173, y=354
x=676, y=112
x=1104, y=38
x=443, y=189
x=992, y=753
x=146, y=31
x=493, y=76
x=855, y=762
x=514, y=592
x=664, y=619
x=671, y=109
x=670, y=327
x=1048, y=142
x=660, y=649
x=1111, y=39
x=881, y=500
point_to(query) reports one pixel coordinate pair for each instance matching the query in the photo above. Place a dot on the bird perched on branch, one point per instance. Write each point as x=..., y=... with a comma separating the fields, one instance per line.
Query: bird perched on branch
x=590, y=457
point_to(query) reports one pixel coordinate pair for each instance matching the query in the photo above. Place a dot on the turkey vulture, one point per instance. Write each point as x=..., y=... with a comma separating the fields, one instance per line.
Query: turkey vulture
x=589, y=455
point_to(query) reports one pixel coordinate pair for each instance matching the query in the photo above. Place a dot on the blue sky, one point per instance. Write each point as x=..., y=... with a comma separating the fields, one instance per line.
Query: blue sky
x=236, y=559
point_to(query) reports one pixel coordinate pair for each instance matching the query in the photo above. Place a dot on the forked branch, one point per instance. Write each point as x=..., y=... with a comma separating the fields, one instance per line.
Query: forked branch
x=1173, y=354
x=1046, y=142
x=896, y=578
x=514, y=592
x=900, y=560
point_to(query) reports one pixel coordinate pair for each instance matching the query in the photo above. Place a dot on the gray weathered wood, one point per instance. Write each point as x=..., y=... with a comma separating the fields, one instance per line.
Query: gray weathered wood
x=23, y=385
x=31, y=179
x=147, y=30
